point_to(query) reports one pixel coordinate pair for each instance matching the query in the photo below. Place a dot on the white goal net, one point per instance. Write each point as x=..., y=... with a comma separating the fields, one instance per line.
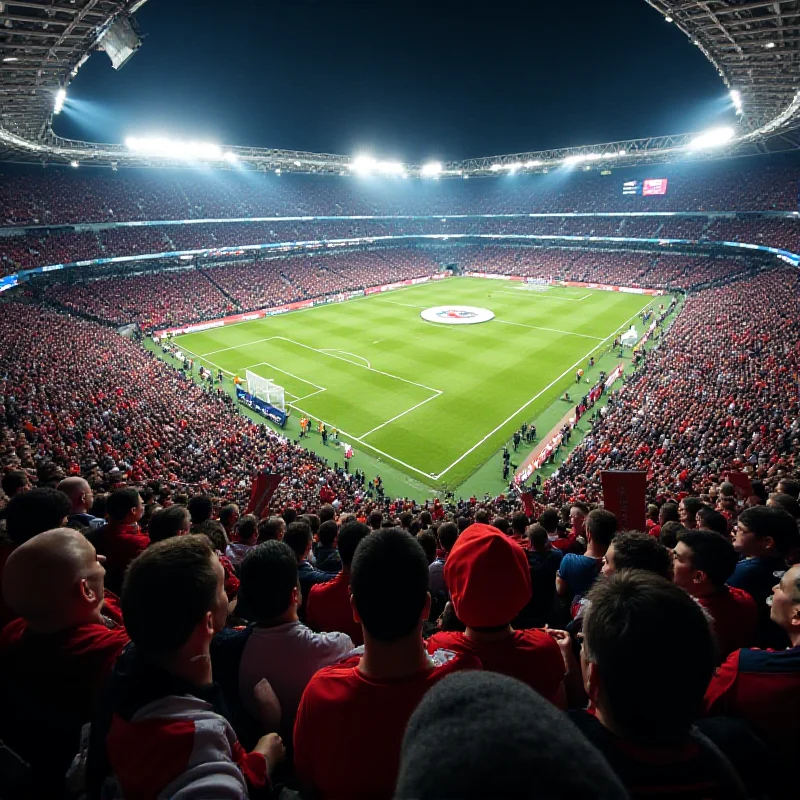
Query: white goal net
x=536, y=285
x=266, y=390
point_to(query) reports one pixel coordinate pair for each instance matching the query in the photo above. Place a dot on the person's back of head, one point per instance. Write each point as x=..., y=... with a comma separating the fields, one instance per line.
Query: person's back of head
x=121, y=506
x=669, y=513
x=269, y=584
x=519, y=524
x=648, y=655
x=670, y=534
x=247, y=529
x=313, y=521
x=229, y=515
x=54, y=581
x=183, y=575
x=428, y=542
x=706, y=552
x=637, y=550
x=601, y=526
x=548, y=519
x=789, y=486
x=389, y=585
x=169, y=522
x=375, y=520
x=727, y=489
x=200, y=508
x=482, y=516
x=537, y=534
x=350, y=535
x=448, y=534
x=78, y=491
x=35, y=511
x=289, y=515
x=502, y=524
x=215, y=533
x=710, y=520
x=14, y=482
x=774, y=528
x=298, y=537
x=326, y=513
x=478, y=735
x=406, y=518
x=785, y=501
x=271, y=528
x=328, y=531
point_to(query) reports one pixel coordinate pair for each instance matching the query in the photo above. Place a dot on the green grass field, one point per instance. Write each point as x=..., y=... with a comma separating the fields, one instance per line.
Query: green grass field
x=435, y=401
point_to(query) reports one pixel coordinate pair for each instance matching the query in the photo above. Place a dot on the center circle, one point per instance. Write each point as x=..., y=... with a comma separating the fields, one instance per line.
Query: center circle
x=457, y=315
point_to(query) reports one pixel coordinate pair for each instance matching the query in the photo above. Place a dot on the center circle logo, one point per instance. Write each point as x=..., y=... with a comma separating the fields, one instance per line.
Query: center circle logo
x=457, y=315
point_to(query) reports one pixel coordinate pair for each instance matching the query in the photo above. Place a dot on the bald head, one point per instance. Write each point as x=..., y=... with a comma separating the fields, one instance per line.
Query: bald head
x=54, y=581
x=79, y=493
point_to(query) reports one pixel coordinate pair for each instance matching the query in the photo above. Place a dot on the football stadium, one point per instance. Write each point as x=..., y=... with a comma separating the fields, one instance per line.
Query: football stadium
x=405, y=472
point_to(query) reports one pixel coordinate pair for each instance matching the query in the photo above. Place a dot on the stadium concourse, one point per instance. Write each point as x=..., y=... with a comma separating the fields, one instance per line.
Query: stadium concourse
x=107, y=451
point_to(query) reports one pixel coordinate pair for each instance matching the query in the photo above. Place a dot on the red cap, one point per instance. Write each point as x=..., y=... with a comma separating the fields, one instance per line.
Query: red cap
x=488, y=577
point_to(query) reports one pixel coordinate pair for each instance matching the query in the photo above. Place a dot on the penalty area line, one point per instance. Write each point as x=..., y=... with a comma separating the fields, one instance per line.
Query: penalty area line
x=549, y=330
x=539, y=394
x=401, y=414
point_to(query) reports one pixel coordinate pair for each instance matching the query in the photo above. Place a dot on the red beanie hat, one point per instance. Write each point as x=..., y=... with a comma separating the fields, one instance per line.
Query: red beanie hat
x=488, y=577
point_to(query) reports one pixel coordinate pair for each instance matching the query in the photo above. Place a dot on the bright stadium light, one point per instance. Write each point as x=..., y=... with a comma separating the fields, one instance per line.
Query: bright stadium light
x=736, y=97
x=159, y=147
x=530, y=164
x=74, y=164
x=363, y=165
x=390, y=168
x=668, y=19
x=9, y=59
x=573, y=159
x=61, y=96
x=716, y=137
x=769, y=45
x=496, y=167
x=231, y=158
x=298, y=164
x=432, y=170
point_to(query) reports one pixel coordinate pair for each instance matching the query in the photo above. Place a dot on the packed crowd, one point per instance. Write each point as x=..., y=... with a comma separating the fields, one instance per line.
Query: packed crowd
x=405, y=652
x=64, y=196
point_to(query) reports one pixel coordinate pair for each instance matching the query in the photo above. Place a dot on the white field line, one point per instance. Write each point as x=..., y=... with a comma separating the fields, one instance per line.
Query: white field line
x=405, y=305
x=538, y=395
x=371, y=369
x=402, y=414
x=345, y=353
x=306, y=396
x=239, y=346
x=551, y=330
x=296, y=377
x=543, y=295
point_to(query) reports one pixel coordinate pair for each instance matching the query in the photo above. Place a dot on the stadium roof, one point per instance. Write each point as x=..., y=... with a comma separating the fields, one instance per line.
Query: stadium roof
x=753, y=45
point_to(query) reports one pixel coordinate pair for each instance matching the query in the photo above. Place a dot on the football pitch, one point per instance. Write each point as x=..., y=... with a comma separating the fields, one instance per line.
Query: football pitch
x=434, y=400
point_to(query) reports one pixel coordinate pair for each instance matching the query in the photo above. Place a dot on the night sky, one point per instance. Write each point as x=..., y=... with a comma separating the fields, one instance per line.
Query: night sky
x=406, y=80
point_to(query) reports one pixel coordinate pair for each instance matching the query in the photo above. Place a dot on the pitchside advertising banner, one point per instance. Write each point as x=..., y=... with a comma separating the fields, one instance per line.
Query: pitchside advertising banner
x=260, y=407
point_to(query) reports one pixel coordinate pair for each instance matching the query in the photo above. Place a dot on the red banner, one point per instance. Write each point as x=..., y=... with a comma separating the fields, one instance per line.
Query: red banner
x=744, y=488
x=264, y=487
x=624, y=496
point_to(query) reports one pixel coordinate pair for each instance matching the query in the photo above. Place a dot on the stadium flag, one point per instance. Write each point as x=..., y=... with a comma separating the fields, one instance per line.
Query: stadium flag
x=264, y=487
x=527, y=503
x=741, y=481
x=624, y=496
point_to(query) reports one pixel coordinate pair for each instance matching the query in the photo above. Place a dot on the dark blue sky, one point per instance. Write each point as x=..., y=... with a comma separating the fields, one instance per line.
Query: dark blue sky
x=400, y=79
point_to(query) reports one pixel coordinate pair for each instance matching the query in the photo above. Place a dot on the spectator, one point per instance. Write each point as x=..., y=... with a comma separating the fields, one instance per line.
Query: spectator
x=165, y=710
x=278, y=647
x=489, y=581
x=636, y=550
x=328, y=606
x=762, y=686
x=785, y=501
x=428, y=543
x=762, y=536
x=548, y=519
x=543, y=562
x=789, y=486
x=55, y=657
x=15, y=482
x=576, y=574
x=271, y=528
x=708, y=519
x=641, y=631
x=671, y=533
x=169, y=522
x=120, y=539
x=200, y=509
x=81, y=498
x=328, y=559
x=229, y=517
x=577, y=519
x=687, y=511
x=703, y=562
x=519, y=527
x=448, y=534
x=337, y=753
x=298, y=537
x=478, y=735
x=667, y=513
x=246, y=539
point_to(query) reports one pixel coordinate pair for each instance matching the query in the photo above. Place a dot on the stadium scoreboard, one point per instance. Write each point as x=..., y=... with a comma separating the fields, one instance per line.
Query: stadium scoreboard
x=648, y=187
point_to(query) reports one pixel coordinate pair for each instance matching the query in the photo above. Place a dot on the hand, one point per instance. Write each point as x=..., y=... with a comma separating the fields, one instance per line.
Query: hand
x=271, y=747
x=564, y=642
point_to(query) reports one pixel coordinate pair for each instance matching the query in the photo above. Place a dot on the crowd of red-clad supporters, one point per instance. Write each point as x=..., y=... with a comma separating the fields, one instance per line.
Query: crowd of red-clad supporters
x=358, y=647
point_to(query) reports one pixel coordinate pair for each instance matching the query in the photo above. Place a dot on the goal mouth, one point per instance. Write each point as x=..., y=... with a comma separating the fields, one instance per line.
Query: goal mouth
x=457, y=315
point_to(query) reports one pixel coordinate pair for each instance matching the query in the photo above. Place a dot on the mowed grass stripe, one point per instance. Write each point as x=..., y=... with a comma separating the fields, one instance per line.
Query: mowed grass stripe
x=486, y=372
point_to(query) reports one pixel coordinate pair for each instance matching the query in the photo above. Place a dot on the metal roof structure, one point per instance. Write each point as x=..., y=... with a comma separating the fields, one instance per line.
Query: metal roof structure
x=755, y=47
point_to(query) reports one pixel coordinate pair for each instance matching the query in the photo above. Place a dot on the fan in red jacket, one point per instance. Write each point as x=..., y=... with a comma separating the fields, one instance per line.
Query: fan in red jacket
x=350, y=724
x=489, y=581
x=55, y=658
x=120, y=541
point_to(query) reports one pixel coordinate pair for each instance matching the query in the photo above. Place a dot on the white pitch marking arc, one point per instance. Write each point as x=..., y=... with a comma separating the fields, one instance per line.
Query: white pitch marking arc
x=327, y=350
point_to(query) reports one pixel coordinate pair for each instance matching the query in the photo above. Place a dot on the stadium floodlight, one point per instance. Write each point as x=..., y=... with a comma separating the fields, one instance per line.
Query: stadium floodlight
x=61, y=96
x=231, y=158
x=9, y=59
x=298, y=164
x=569, y=160
x=74, y=164
x=530, y=164
x=622, y=152
x=390, y=168
x=769, y=45
x=736, y=97
x=716, y=137
x=363, y=165
x=668, y=19
x=431, y=170
x=120, y=41
x=159, y=147
x=496, y=167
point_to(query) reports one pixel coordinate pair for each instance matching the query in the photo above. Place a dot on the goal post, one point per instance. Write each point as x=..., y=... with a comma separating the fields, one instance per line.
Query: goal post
x=266, y=390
